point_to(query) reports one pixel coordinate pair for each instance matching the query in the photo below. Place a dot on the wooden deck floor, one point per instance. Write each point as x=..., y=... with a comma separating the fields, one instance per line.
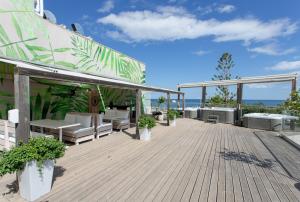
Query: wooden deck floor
x=193, y=161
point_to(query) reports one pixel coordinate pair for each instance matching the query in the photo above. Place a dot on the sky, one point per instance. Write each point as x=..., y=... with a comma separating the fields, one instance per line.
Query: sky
x=180, y=41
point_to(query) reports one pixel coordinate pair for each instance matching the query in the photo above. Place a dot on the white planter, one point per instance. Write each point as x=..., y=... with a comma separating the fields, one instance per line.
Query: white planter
x=145, y=134
x=33, y=183
x=161, y=117
x=173, y=122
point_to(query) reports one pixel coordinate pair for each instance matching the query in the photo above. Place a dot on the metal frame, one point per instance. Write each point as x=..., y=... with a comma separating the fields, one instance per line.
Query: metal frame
x=243, y=80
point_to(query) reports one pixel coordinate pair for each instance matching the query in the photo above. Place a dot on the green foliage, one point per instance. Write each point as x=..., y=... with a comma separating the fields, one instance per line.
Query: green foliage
x=146, y=122
x=225, y=65
x=39, y=149
x=218, y=101
x=172, y=114
x=260, y=108
x=161, y=100
x=293, y=103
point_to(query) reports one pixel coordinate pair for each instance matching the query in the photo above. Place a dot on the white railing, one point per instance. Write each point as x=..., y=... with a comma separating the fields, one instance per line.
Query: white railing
x=7, y=135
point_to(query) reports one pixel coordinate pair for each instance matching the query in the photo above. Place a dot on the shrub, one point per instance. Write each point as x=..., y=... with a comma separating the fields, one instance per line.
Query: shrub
x=172, y=114
x=146, y=122
x=38, y=148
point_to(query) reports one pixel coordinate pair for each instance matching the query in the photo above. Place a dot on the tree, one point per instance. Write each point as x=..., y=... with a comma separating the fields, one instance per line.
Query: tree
x=225, y=65
x=293, y=103
x=161, y=100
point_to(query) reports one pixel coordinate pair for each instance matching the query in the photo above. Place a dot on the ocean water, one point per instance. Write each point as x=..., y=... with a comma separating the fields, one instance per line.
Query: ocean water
x=196, y=102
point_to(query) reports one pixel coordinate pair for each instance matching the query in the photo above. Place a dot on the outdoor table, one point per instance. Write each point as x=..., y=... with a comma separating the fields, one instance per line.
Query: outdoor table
x=53, y=124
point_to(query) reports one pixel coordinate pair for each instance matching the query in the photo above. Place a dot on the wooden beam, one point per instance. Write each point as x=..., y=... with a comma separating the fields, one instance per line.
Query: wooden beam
x=294, y=85
x=168, y=108
x=178, y=99
x=138, y=99
x=203, y=100
x=239, y=99
x=94, y=100
x=182, y=105
x=22, y=103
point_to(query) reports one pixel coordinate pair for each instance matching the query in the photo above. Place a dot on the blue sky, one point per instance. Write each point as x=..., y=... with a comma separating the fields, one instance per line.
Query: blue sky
x=181, y=40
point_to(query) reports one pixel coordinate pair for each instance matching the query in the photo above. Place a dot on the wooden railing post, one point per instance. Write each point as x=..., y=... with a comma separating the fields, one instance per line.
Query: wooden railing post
x=183, y=106
x=137, y=110
x=239, y=99
x=178, y=99
x=22, y=103
x=168, y=108
x=203, y=100
x=294, y=85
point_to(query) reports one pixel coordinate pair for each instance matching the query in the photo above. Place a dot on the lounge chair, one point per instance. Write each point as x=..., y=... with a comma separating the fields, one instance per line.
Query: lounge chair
x=119, y=118
x=80, y=133
x=103, y=127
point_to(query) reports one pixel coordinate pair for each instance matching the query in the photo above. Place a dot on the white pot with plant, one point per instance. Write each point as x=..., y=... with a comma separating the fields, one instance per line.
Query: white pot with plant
x=145, y=125
x=161, y=100
x=172, y=114
x=34, y=164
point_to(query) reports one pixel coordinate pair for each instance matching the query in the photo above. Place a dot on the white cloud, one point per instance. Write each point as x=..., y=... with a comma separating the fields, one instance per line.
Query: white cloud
x=201, y=52
x=259, y=86
x=215, y=7
x=271, y=49
x=286, y=65
x=174, y=23
x=225, y=8
x=107, y=6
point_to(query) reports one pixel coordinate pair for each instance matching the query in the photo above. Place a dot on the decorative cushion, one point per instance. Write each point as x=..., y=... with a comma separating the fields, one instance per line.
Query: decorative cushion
x=122, y=114
x=109, y=114
x=70, y=118
x=84, y=120
x=100, y=118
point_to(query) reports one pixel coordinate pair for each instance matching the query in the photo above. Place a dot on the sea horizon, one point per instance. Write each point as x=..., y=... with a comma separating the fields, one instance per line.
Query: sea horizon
x=197, y=102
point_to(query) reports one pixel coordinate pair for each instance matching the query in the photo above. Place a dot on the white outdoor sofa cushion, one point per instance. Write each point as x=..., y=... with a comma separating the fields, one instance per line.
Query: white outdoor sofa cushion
x=119, y=118
x=103, y=127
x=80, y=133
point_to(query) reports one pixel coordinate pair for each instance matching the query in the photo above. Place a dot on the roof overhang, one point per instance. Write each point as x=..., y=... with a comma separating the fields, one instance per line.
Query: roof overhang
x=48, y=72
x=243, y=80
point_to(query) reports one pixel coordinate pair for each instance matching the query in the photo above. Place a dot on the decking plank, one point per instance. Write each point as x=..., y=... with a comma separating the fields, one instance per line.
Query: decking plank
x=193, y=161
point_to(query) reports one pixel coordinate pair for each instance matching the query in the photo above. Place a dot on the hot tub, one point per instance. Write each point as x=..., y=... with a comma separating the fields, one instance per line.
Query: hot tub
x=226, y=115
x=265, y=121
x=190, y=113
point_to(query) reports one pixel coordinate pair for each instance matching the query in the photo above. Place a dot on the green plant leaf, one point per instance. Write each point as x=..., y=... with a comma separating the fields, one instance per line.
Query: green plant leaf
x=17, y=28
x=38, y=107
x=61, y=50
x=65, y=64
x=36, y=48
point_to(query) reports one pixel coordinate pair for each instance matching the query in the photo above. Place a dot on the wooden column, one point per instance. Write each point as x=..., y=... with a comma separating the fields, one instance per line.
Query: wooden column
x=94, y=99
x=138, y=105
x=178, y=99
x=203, y=100
x=239, y=99
x=182, y=105
x=168, y=108
x=294, y=85
x=22, y=103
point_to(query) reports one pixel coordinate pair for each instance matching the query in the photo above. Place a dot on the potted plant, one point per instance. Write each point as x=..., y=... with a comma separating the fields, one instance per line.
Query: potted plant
x=161, y=100
x=145, y=125
x=172, y=114
x=34, y=164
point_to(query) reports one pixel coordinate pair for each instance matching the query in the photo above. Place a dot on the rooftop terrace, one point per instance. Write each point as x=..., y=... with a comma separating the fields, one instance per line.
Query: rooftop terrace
x=193, y=161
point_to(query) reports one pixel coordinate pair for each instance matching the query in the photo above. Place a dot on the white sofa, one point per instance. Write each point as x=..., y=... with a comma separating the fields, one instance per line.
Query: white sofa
x=80, y=133
x=102, y=127
x=119, y=118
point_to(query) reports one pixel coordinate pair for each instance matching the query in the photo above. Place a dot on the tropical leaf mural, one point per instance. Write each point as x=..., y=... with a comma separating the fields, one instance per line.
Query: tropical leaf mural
x=39, y=41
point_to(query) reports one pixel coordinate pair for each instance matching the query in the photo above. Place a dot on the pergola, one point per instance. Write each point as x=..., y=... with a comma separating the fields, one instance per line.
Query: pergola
x=239, y=83
x=26, y=70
